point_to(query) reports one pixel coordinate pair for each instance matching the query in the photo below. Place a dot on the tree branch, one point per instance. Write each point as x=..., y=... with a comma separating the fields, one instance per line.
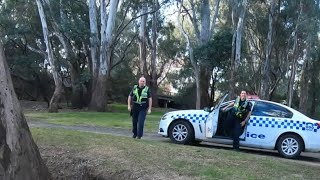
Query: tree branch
x=119, y=30
x=124, y=53
x=166, y=74
x=38, y=51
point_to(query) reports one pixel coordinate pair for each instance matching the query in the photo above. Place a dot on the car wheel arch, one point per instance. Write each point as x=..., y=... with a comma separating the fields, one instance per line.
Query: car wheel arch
x=287, y=133
x=181, y=119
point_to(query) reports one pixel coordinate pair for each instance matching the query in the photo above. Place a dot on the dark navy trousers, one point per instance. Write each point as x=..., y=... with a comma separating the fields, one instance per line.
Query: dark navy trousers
x=233, y=129
x=139, y=113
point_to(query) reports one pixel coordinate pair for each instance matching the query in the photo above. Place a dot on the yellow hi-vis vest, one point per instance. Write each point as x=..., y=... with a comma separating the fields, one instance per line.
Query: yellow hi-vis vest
x=240, y=111
x=144, y=94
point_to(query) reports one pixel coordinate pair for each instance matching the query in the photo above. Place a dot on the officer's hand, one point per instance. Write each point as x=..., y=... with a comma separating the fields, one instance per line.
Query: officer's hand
x=149, y=111
x=243, y=123
x=129, y=108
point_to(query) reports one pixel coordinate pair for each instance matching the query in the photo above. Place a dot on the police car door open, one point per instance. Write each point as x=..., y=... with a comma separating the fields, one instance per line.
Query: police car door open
x=212, y=119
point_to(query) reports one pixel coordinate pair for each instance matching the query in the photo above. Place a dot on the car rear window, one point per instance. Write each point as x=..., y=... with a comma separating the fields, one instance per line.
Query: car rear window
x=271, y=110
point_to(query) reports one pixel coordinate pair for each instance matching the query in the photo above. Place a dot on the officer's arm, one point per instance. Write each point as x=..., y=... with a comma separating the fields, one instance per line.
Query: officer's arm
x=150, y=103
x=129, y=103
x=248, y=116
x=130, y=100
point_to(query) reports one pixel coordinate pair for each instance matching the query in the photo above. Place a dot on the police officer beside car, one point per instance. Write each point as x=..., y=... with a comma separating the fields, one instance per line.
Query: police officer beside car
x=237, y=117
x=142, y=102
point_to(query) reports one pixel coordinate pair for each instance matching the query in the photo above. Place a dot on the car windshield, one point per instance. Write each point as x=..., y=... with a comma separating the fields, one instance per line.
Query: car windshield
x=220, y=100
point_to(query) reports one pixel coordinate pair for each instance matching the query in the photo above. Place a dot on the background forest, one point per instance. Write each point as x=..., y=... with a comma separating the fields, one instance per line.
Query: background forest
x=90, y=53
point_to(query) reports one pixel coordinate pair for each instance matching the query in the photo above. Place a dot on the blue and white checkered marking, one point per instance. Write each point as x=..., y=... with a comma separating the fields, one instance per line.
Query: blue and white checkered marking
x=191, y=117
x=286, y=124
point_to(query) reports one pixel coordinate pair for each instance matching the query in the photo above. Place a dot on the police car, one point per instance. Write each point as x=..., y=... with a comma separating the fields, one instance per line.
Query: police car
x=271, y=126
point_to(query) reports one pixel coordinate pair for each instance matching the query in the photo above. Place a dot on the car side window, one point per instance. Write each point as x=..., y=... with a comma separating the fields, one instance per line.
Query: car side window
x=271, y=110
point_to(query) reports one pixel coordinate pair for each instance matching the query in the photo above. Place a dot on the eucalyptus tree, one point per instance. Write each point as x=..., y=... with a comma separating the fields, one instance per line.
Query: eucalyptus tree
x=198, y=36
x=238, y=26
x=99, y=96
x=265, y=90
x=311, y=17
x=53, y=107
x=153, y=33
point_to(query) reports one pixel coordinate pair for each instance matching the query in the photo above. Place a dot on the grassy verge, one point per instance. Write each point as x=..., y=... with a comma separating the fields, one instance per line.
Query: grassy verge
x=162, y=160
x=118, y=117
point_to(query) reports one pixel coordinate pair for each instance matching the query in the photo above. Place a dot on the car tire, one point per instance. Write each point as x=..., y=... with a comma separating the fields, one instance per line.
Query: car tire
x=290, y=146
x=181, y=132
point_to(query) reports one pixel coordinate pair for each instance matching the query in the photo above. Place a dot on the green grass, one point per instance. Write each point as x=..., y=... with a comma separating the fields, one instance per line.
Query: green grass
x=118, y=117
x=169, y=161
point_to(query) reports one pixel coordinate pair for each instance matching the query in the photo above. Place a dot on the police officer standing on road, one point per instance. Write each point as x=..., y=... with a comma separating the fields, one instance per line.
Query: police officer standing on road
x=142, y=103
x=238, y=117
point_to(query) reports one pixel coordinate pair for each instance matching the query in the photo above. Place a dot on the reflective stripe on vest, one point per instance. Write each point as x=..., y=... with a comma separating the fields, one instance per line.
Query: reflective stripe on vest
x=240, y=110
x=144, y=94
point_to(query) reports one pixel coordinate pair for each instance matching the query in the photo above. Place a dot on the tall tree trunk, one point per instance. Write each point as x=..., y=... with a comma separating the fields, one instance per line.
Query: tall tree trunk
x=99, y=93
x=265, y=84
x=236, y=44
x=213, y=24
x=94, y=45
x=154, y=78
x=294, y=58
x=53, y=107
x=314, y=86
x=194, y=64
x=239, y=34
x=305, y=78
x=210, y=75
x=19, y=155
x=204, y=84
x=143, y=41
x=293, y=68
x=77, y=98
x=232, y=82
x=205, y=35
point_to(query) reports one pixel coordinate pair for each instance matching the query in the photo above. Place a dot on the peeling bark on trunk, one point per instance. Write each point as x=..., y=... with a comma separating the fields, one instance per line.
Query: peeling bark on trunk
x=19, y=155
x=53, y=107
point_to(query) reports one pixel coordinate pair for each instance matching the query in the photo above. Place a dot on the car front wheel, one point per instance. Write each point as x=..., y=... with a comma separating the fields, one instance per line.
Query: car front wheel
x=181, y=132
x=290, y=146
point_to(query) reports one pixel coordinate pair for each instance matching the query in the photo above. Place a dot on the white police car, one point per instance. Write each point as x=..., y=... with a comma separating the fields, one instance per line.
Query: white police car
x=271, y=126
